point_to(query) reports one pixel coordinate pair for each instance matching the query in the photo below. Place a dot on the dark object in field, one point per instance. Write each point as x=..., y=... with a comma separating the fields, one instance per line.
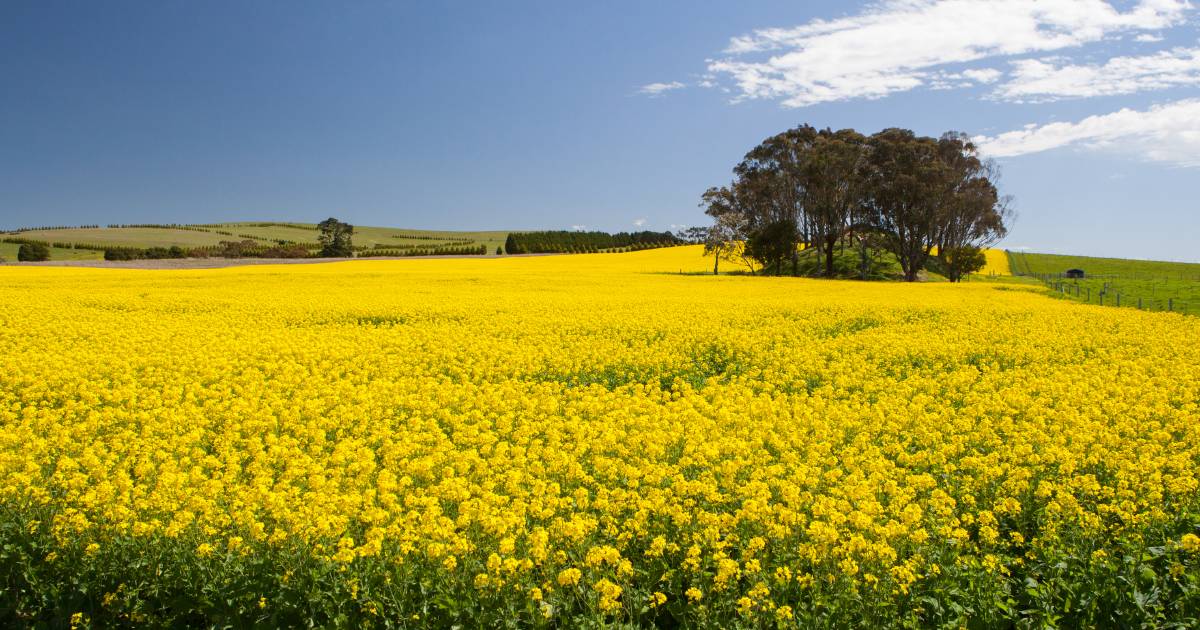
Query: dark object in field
x=1074, y=273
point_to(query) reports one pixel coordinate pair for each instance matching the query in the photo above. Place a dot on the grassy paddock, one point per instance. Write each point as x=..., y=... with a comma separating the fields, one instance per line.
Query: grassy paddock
x=8, y=251
x=1154, y=285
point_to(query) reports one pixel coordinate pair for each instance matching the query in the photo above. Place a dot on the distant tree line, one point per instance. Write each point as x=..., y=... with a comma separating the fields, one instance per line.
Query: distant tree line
x=427, y=237
x=926, y=201
x=226, y=249
x=453, y=243
x=563, y=241
x=298, y=226
x=444, y=250
x=45, y=228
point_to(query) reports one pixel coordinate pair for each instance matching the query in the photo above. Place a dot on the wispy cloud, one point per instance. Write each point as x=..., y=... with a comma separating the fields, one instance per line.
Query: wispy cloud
x=967, y=78
x=1168, y=133
x=1037, y=80
x=658, y=89
x=639, y=222
x=899, y=45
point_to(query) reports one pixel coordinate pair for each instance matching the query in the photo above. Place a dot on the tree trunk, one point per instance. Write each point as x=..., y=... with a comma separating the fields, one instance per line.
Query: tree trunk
x=716, y=261
x=829, y=247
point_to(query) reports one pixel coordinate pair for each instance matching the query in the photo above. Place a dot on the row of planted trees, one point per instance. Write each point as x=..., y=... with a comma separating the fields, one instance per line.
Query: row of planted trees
x=925, y=200
x=563, y=241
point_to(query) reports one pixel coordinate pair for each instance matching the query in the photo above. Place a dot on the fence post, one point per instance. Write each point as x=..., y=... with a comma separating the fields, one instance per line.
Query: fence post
x=1139, y=302
x=1118, y=299
x=1089, y=295
x=1170, y=304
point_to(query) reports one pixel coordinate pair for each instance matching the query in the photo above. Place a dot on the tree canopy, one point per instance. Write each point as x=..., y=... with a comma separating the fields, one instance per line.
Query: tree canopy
x=335, y=238
x=925, y=200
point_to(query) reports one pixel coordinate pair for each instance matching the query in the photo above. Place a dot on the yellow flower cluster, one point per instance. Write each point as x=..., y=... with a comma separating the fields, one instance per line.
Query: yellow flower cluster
x=617, y=435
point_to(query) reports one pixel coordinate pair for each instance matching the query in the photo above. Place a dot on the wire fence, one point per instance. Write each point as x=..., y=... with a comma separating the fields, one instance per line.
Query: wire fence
x=1161, y=294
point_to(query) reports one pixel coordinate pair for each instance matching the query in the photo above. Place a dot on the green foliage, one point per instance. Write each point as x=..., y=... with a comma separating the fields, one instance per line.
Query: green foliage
x=166, y=582
x=774, y=245
x=432, y=250
x=954, y=263
x=33, y=252
x=335, y=238
x=121, y=253
x=564, y=241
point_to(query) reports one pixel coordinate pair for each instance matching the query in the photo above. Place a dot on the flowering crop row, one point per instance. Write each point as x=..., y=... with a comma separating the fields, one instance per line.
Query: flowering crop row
x=588, y=440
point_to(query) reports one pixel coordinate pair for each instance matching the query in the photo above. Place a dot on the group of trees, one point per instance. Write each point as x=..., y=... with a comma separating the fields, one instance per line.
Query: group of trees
x=565, y=241
x=33, y=252
x=922, y=199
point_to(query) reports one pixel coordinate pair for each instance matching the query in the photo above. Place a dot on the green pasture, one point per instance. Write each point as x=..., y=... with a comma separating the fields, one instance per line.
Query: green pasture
x=125, y=237
x=1147, y=284
x=366, y=235
x=8, y=251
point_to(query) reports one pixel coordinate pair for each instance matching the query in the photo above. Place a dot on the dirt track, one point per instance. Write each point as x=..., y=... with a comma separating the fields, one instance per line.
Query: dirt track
x=215, y=263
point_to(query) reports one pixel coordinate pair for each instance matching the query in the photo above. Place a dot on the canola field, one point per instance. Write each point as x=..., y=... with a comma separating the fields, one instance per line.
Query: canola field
x=588, y=441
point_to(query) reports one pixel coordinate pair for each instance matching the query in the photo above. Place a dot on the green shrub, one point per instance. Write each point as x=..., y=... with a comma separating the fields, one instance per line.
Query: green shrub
x=120, y=253
x=33, y=252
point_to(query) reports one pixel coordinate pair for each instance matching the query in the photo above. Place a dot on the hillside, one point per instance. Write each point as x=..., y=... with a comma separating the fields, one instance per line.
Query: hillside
x=1146, y=284
x=86, y=242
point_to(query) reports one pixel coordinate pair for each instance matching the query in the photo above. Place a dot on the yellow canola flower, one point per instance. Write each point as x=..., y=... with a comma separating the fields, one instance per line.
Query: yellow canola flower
x=997, y=263
x=623, y=422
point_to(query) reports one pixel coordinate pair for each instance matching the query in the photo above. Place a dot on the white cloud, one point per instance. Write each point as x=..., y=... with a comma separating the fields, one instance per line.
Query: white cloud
x=1038, y=81
x=898, y=45
x=658, y=89
x=1148, y=38
x=942, y=80
x=983, y=75
x=639, y=222
x=579, y=228
x=1168, y=133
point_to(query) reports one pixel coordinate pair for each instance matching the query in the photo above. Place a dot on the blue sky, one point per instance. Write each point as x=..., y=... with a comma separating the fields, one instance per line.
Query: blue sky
x=611, y=115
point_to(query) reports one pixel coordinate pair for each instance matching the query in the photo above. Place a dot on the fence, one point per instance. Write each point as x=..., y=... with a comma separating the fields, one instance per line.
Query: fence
x=1106, y=290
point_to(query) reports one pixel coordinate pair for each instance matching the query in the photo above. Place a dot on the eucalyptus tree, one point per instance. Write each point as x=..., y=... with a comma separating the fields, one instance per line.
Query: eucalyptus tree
x=971, y=213
x=726, y=237
x=771, y=178
x=902, y=177
x=832, y=175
